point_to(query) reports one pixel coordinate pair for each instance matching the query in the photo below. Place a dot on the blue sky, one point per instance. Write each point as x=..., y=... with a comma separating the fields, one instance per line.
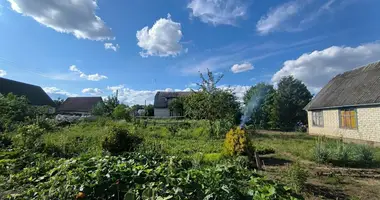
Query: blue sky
x=88, y=47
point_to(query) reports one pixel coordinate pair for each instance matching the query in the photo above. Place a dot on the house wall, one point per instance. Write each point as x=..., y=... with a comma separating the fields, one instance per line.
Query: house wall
x=161, y=112
x=368, y=120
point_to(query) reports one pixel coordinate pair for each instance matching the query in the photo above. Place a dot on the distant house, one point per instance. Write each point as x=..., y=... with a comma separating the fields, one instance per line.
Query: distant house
x=79, y=105
x=35, y=94
x=162, y=101
x=348, y=106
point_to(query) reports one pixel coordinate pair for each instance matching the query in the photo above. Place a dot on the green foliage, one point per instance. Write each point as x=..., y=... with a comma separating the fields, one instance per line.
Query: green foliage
x=120, y=112
x=58, y=101
x=321, y=153
x=292, y=96
x=211, y=103
x=261, y=114
x=5, y=141
x=237, y=143
x=111, y=103
x=176, y=105
x=139, y=176
x=29, y=137
x=296, y=176
x=14, y=110
x=119, y=140
x=149, y=110
x=99, y=109
x=341, y=154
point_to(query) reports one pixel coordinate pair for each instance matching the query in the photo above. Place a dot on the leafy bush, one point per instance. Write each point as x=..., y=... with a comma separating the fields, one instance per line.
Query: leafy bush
x=364, y=154
x=321, y=153
x=120, y=112
x=29, y=137
x=237, y=143
x=296, y=176
x=5, y=141
x=119, y=140
x=137, y=176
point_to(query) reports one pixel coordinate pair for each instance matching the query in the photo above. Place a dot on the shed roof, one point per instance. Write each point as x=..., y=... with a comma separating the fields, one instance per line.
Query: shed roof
x=358, y=87
x=79, y=104
x=35, y=94
x=161, y=98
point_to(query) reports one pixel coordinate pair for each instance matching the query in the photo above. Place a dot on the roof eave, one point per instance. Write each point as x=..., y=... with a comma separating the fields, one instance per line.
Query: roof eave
x=343, y=106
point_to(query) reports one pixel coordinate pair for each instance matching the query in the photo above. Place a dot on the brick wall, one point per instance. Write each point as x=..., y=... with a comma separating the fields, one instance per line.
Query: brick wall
x=368, y=125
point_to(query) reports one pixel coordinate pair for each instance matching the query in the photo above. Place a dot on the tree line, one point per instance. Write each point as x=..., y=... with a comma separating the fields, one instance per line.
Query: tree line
x=274, y=108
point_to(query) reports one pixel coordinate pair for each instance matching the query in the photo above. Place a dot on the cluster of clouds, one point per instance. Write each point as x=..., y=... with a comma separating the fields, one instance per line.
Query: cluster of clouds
x=90, y=77
x=2, y=73
x=315, y=69
x=57, y=91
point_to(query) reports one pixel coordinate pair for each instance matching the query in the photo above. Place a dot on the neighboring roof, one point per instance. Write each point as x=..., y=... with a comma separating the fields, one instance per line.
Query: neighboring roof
x=79, y=104
x=358, y=87
x=35, y=94
x=161, y=98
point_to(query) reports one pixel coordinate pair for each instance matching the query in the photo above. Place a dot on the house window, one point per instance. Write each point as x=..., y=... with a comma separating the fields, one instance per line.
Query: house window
x=348, y=119
x=317, y=118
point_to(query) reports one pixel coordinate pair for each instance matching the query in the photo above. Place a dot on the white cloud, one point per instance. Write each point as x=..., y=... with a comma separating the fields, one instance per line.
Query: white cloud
x=160, y=40
x=92, y=91
x=76, y=17
x=218, y=11
x=298, y=15
x=54, y=90
x=237, y=90
x=315, y=69
x=276, y=17
x=90, y=77
x=111, y=46
x=2, y=73
x=238, y=68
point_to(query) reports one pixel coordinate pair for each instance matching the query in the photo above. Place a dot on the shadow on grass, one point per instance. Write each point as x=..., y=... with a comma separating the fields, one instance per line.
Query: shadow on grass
x=271, y=161
x=355, y=164
x=326, y=192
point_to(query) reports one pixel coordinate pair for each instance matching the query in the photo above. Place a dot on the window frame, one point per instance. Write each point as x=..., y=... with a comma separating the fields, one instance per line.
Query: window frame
x=355, y=117
x=317, y=115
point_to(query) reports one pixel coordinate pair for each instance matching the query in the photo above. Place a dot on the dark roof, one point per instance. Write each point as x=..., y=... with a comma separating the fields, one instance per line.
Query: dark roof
x=35, y=94
x=161, y=98
x=79, y=104
x=358, y=87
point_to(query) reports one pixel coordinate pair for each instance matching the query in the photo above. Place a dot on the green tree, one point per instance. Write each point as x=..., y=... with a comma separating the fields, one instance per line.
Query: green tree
x=176, y=105
x=58, y=101
x=120, y=112
x=13, y=110
x=99, y=109
x=111, y=103
x=292, y=97
x=149, y=110
x=261, y=94
x=211, y=103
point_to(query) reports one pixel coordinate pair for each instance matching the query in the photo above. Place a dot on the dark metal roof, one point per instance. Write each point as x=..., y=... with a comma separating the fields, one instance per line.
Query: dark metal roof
x=358, y=87
x=161, y=98
x=35, y=94
x=79, y=104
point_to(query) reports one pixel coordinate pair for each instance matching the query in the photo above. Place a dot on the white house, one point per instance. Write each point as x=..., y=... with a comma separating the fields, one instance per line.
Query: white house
x=162, y=101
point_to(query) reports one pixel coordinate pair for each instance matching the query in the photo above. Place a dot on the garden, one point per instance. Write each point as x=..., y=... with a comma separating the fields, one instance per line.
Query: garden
x=210, y=154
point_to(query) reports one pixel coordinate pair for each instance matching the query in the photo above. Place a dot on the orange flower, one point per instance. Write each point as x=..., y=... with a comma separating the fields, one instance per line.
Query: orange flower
x=80, y=195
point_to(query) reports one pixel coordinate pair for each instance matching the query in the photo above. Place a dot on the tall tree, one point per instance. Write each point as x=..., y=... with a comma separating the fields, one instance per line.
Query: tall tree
x=111, y=103
x=292, y=97
x=261, y=94
x=211, y=103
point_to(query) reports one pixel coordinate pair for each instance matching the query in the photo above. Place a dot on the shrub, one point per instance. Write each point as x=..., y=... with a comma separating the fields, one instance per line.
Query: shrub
x=119, y=140
x=4, y=141
x=212, y=157
x=29, y=137
x=237, y=143
x=321, y=153
x=120, y=112
x=364, y=154
x=296, y=176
